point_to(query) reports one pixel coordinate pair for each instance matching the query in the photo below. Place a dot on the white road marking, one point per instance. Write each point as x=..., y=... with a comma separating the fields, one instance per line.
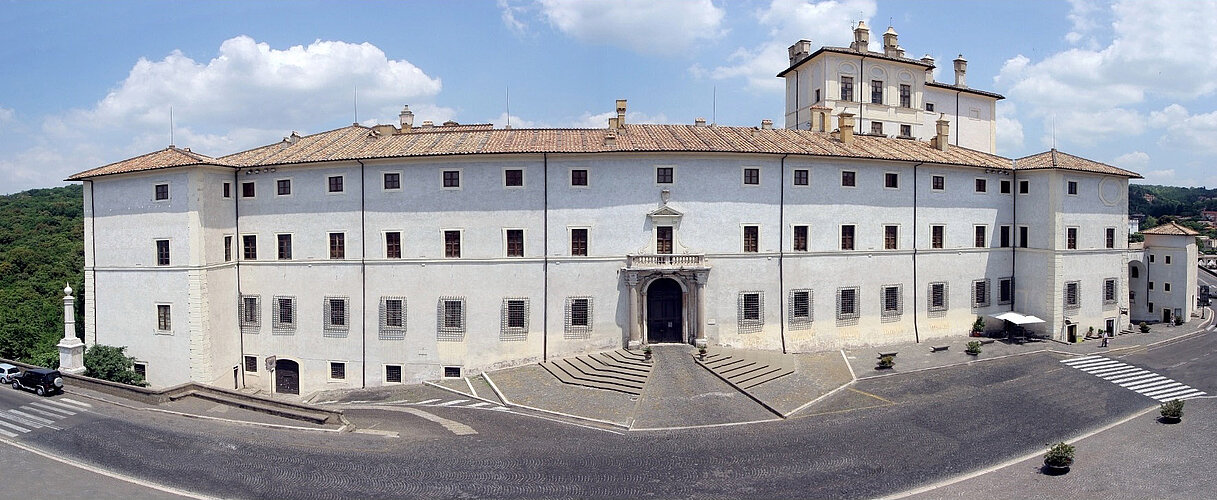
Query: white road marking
x=34, y=418
x=41, y=412
x=453, y=402
x=1130, y=378
x=1141, y=381
x=7, y=433
x=63, y=405
x=75, y=402
x=475, y=405
x=17, y=428
x=52, y=408
x=429, y=401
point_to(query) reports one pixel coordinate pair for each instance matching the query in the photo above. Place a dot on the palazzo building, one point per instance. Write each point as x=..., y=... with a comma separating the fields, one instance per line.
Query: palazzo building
x=366, y=256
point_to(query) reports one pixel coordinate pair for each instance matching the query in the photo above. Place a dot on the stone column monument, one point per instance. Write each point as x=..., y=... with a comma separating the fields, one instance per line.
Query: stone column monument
x=71, y=349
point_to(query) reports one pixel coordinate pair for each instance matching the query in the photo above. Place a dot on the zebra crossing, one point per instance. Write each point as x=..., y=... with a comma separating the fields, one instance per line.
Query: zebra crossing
x=43, y=413
x=1141, y=381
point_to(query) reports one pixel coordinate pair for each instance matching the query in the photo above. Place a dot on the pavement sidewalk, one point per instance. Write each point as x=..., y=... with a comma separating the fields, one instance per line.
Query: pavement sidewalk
x=200, y=408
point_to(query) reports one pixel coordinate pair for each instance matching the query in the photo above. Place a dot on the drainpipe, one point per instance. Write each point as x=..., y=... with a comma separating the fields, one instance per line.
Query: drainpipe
x=545, y=258
x=958, y=125
x=916, y=286
x=781, y=251
x=93, y=244
x=1013, y=232
x=236, y=254
x=363, y=275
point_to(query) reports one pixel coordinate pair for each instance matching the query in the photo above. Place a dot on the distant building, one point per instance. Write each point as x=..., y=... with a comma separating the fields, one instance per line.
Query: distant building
x=1209, y=215
x=1134, y=223
x=1162, y=279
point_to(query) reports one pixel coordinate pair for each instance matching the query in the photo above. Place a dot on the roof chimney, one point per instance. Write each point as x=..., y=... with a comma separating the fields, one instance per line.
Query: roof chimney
x=929, y=72
x=612, y=124
x=610, y=139
x=699, y=122
x=799, y=50
x=890, y=48
x=845, y=122
x=961, y=71
x=407, y=117
x=766, y=124
x=620, y=113
x=861, y=37
x=943, y=127
x=427, y=124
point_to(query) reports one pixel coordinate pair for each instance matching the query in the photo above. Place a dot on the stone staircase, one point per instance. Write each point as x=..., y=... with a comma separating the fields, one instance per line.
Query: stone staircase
x=748, y=369
x=620, y=370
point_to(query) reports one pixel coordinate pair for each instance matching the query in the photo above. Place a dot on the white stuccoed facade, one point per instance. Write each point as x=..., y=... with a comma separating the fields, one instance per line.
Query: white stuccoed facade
x=714, y=283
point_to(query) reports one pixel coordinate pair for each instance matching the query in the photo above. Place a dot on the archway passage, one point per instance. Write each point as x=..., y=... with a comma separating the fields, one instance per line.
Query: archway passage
x=664, y=311
x=287, y=376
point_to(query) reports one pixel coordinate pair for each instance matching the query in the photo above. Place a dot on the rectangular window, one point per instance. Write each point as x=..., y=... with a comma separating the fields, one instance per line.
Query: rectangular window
x=800, y=306
x=515, y=313
x=283, y=187
x=847, y=88
x=578, y=177
x=247, y=190
x=140, y=368
x=1166, y=287
x=162, y=317
x=848, y=178
x=1110, y=237
x=226, y=192
x=800, y=238
x=392, y=180
x=1168, y=260
x=663, y=239
x=1022, y=237
x=936, y=236
x=1151, y=285
x=664, y=175
x=1071, y=238
x=876, y=91
x=929, y=106
x=338, y=312
x=283, y=315
x=1003, y=187
x=1072, y=187
x=392, y=318
x=451, y=319
x=1005, y=236
x=906, y=131
x=251, y=246
x=336, y=316
x=249, y=313
x=847, y=237
x=515, y=242
x=751, y=236
x=161, y=191
x=393, y=245
x=334, y=184
x=578, y=318
x=802, y=177
x=876, y=128
x=227, y=248
x=891, y=180
x=513, y=319
x=891, y=303
x=338, y=247
x=982, y=186
x=338, y=371
x=847, y=304
x=938, y=183
x=285, y=246
x=751, y=312
x=890, y=241
x=251, y=364
x=452, y=178
x=578, y=241
x=980, y=293
x=394, y=313
x=981, y=241
x=513, y=177
x=1073, y=295
x=393, y=374
x=817, y=96
x=1151, y=258
x=452, y=244
x=1024, y=187
x=752, y=176
x=162, y=252
x=906, y=96
x=1005, y=291
x=1109, y=291
x=938, y=297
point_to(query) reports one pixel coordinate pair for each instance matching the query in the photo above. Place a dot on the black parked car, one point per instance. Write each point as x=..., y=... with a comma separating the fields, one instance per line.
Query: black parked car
x=42, y=380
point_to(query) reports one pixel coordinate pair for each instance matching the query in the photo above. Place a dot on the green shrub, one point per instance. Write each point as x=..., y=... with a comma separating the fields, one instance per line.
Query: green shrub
x=1059, y=455
x=1178, y=320
x=887, y=361
x=112, y=363
x=1172, y=409
x=973, y=347
x=1143, y=327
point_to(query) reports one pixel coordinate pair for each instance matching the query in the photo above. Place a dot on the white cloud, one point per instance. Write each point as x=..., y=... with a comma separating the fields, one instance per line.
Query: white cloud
x=1009, y=129
x=509, y=17
x=1183, y=129
x=646, y=26
x=600, y=120
x=1134, y=161
x=1159, y=176
x=6, y=115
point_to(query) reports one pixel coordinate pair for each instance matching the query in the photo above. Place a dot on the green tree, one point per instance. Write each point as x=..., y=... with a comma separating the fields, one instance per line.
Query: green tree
x=112, y=363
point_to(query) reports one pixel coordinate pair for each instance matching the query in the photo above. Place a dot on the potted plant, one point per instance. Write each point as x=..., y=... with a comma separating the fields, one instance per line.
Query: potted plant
x=1090, y=333
x=1058, y=459
x=978, y=326
x=886, y=362
x=701, y=352
x=1178, y=320
x=646, y=353
x=1143, y=327
x=1172, y=411
x=973, y=348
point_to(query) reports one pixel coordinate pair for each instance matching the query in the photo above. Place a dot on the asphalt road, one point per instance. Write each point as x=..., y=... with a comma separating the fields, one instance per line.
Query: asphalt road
x=881, y=436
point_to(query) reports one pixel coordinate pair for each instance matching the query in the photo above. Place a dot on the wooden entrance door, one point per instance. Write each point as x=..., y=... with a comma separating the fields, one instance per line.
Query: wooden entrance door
x=287, y=376
x=664, y=307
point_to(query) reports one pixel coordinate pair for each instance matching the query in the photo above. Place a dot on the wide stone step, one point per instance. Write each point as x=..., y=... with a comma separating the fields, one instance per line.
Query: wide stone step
x=566, y=377
x=627, y=358
x=767, y=378
x=588, y=368
x=748, y=370
x=623, y=366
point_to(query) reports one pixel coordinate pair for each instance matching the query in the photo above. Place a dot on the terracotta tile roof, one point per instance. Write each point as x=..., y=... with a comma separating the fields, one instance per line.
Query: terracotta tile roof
x=852, y=52
x=970, y=90
x=1171, y=228
x=165, y=158
x=1056, y=159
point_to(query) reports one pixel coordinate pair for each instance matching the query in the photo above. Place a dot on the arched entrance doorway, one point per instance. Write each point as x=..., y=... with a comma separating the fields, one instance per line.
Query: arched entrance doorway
x=665, y=303
x=287, y=376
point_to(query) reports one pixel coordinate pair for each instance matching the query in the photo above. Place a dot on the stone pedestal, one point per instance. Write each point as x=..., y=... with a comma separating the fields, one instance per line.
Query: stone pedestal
x=71, y=349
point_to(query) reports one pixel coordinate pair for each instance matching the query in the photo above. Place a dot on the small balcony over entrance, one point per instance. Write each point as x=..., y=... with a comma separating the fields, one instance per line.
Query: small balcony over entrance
x=666, y=261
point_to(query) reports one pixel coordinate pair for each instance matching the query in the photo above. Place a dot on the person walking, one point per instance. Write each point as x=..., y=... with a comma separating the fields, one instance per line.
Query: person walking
x=1106, y=338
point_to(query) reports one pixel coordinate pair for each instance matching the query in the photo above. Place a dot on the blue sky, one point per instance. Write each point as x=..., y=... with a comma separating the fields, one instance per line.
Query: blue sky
x=1130, y=83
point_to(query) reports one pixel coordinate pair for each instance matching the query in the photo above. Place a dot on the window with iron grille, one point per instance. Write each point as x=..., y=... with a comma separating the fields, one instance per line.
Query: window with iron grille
x=891, y=180
x=513, y=177
x=283, y=187
x=664, y=175
x=578, y=318
x=393, y=374
x=247, y=190
x=1111, y=237
x=663, y=239
x=578, y=241
x=1073, y=292
x=876, y=91
x=982, y=186
x=283, y=315
x=334, y=183
x=392, y=180
x=515, y=242
x=938, y=299
x=848, y=309
x=980, y=293
x=251, y=364
x=392, y=318
x=452, y=244
x=849, y=178
x=936, y=236
x=226, y=192
x=450, y=317
x=890, y=239
x=393, y=245
x=338, y=246
x=514, y=319
x=847, y=237
x=1005, y=291
x=251, y=247
x=1003, y=187
x=981, y=241
x=1109, y=291
x=752, y=176
x=227, y=248
x=452, y=372
x=847, y=88
x=338, y=371
x=162, y=192
x=800, y=315
x=802, y=177
x=336, y=316
x=751, y=312
x=906, y=96
x=891, y=299
x=285, y=246
x=163, y=323
x=249, y=312
x=751, y=236
x=162, y=252
x=800, y=238
x=1071, y=238
x=578, y=177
